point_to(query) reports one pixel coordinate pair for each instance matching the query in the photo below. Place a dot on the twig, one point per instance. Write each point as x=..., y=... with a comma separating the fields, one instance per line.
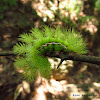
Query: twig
x=75, y=57
x=83, y=58
x=7, y=53
x=60, y=63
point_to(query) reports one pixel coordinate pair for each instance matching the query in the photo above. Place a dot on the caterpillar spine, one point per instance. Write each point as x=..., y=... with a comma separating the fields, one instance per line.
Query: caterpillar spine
x=35, y=44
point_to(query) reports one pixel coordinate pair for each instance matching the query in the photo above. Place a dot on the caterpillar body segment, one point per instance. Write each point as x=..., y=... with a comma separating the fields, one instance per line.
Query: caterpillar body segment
x=33, y=46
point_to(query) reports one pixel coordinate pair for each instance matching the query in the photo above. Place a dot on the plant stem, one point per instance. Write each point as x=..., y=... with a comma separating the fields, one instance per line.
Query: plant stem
x=75, y=57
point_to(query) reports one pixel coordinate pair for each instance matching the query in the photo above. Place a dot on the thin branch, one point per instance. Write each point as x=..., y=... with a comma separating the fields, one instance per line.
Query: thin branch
x=7, y=53
x=83, y=58
x=60, y=63
x=75, y=57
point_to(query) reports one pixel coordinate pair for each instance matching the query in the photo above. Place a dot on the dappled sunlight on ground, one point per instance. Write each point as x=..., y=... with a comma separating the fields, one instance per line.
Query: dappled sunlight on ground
x=68, y=87
x=63, y=90
x=42, y=10
x=64, y=83
x=1, y=68
x=25, y=1
x=47, y=9
x=90, y=26
x=68, y=82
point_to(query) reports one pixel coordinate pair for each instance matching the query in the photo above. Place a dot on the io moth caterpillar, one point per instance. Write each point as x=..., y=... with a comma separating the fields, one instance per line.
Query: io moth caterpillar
x=33, y=46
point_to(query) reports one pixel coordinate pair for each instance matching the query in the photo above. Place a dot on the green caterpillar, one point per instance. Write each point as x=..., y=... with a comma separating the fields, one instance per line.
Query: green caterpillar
x=33, y=46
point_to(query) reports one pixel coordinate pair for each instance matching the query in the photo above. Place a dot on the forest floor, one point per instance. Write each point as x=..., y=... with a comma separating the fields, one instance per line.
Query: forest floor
x=72, y=81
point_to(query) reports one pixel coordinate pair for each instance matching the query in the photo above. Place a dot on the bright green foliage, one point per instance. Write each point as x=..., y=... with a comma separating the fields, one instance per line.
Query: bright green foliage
x=74, y=6
x=20, y=48
x=26, y=38
x=97, y=5
x=35, y=44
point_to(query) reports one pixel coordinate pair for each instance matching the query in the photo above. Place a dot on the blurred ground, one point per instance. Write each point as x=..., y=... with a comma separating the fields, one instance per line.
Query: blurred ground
x=73, y=80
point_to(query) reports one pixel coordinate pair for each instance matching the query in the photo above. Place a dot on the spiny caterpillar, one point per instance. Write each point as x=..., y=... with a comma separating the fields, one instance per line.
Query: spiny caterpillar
x=33, y=46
